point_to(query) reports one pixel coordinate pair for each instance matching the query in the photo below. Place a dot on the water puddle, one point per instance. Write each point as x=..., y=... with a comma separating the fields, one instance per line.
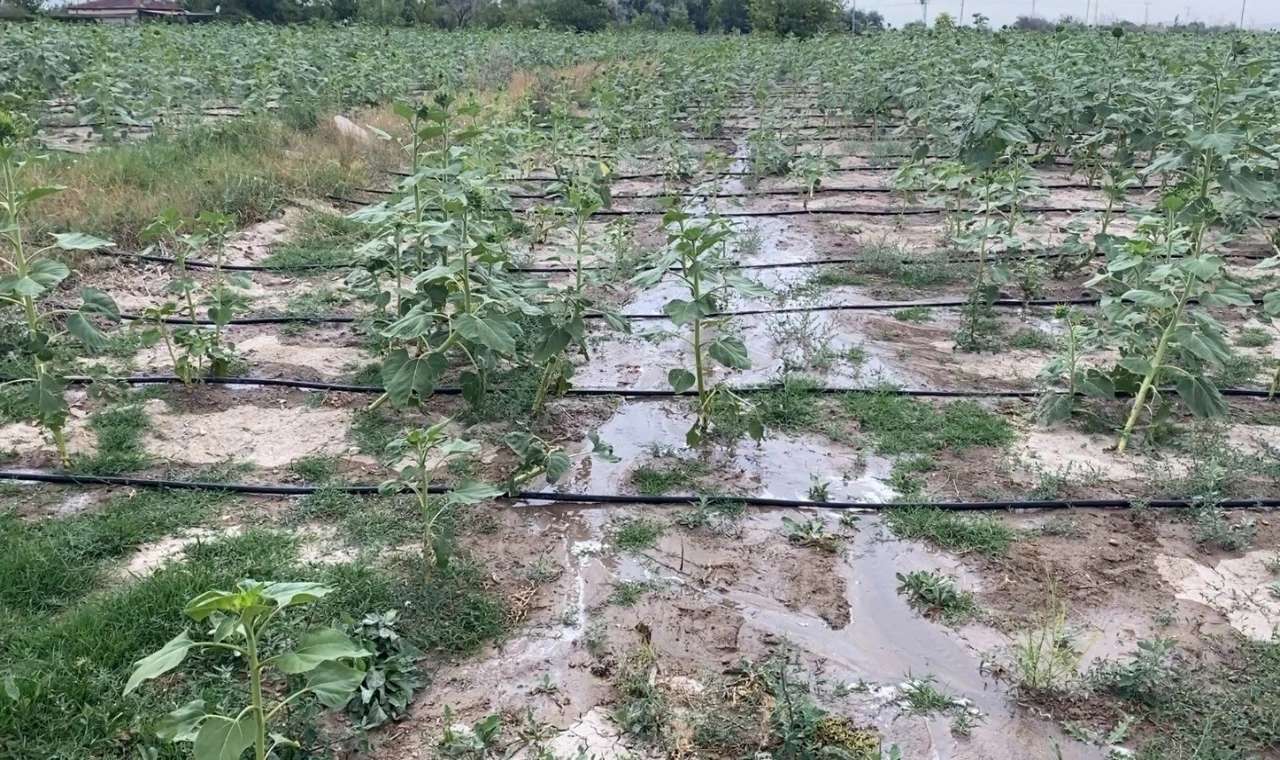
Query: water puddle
x=782, y=466
x=886, y=642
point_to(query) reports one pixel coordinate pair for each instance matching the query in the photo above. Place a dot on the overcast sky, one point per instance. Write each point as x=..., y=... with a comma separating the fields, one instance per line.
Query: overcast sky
x=1257, y=14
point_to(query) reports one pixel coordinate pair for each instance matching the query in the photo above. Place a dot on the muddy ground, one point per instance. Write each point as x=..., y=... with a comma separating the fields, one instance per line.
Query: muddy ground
x=717, y=589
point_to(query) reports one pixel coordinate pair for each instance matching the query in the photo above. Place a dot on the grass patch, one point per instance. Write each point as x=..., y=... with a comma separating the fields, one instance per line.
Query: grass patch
x=51, y=564
x=1255, y=337
x=905, y=425
x=914, y=315
x=935, y=595
x=792, y=407
x=119, y=432
x=316, y=470
x=717, y=515
x=636, y=534
x=627, y=593
x=320, y=240
x=1225, y=709
x=1033, y=340
x=372, y=429
x=246, y=168
x=676, y=473
x=916, y=271
x=984, y=534
x=77, y=662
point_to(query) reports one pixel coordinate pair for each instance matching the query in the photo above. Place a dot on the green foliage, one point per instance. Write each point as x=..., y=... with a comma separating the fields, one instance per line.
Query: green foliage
x=801, y=18
x=392, y=676
x=427, y=451
x=636, y=534
x=697, y=249
x=936, y=595
x=51, y=565
x=238, y=621
x=985, y=534
x=903, y=425
x=812, y=533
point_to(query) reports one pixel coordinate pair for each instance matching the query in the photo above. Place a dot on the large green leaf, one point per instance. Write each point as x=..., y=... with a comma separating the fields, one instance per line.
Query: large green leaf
x=100, y=303
x=558, y=463
x=89, y=336
x=1201, y=396
x=1137, y=365
x=213, y=601
x=682, y=312
x=747, y=287
x=46, y=395
x=413, y=379
x=288, y=594
x=42, y=275
x=333, y=682
x=731, y=352
x=551, y=344
x=1153, y=299
x=496, y=333
x=681, y=380
x=183, y=724
x=78, y=241
x=472, y=492
x=221, y=738
x=317, y=647
x=159, y=662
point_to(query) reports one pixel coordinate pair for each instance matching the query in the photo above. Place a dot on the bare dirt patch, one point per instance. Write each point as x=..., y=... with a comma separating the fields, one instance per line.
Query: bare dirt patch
x=266, y=437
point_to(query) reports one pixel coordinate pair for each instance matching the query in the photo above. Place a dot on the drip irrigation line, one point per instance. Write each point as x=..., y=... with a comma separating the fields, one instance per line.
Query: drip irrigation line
x=776, y=193
x=635, y=393
x=1000, y=303
x=915, y=211
x=587, y=498
x=200, y=264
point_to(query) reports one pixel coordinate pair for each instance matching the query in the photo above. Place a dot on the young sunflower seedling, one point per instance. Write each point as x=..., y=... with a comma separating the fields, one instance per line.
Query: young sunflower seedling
x=240, y=622
x=29, y=278
x=428, y=451
x=695, y=254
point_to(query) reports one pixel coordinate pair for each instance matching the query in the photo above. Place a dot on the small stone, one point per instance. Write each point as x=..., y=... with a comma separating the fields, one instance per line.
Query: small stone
x=1113, y=542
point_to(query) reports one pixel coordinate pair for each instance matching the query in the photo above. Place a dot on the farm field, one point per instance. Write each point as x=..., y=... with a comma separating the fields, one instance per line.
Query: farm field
x=638, y=396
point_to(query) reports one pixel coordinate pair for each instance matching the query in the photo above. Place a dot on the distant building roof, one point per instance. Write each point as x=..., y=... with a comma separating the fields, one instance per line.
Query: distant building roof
x=126, y=5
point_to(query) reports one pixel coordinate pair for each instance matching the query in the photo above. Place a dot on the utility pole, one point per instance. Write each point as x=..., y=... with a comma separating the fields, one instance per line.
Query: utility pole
x=924, y=11
x=1033, y=8
x=961, y=12
x=1146, y=14
x=1242, y=2
x=1086, y=12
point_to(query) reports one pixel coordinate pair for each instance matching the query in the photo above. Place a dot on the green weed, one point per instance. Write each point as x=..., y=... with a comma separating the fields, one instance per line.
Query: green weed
x=905, y=425
x=936, y=595
x=636, y=534
x=119, y=430
x=956, y=531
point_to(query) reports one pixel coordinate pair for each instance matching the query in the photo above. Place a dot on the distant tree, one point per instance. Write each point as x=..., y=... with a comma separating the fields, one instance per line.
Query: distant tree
x=457, y=13
x=981, y=23
x=578, y=15
x=802, y=18
x=1033, y=24
x=731, y=15
x=912, y=25
x=862, y=22
x=944, y=21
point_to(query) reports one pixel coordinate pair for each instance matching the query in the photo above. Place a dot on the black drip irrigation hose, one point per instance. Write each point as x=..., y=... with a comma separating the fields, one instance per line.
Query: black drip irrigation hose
x=198, y=264
x=634, y=393
x=587, y=498
x=918, y=211
x=1001, y=303
x=778, y=193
